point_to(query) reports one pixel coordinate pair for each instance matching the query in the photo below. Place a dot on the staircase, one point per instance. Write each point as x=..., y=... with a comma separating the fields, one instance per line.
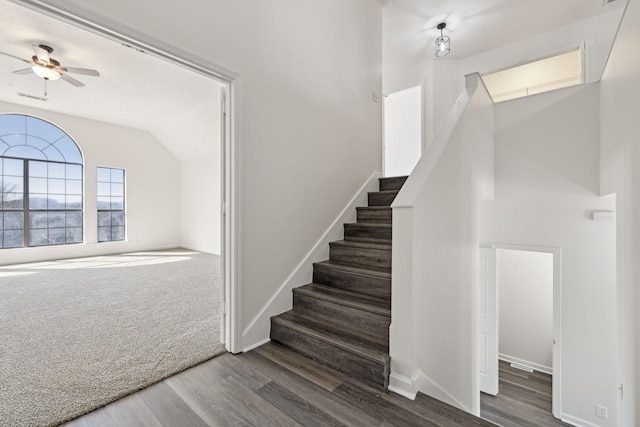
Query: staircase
x=342, y=319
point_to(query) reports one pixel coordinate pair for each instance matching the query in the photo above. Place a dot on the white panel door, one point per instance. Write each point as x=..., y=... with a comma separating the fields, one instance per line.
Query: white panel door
x=488, y=321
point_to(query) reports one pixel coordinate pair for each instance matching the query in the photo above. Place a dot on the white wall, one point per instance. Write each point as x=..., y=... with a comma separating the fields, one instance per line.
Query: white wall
x=525, y=281
x=310, y=133
x=546, y=186
x=200, y=176
x=200, y=206
x=620, y=166
x=152, y=187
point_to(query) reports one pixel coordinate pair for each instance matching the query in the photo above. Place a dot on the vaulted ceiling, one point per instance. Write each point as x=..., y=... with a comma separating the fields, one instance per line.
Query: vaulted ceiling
x=134, y=89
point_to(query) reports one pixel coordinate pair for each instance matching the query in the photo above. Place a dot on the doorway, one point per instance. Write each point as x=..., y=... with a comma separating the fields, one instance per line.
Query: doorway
x=519, y=328
x=128, y=37
x=402, y=131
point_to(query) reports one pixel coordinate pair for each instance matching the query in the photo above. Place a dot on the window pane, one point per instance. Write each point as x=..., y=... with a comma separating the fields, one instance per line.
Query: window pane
x=13, y=184
x=37, y=185
x=57, y=236
x=104, y=175
x=13, y=167
x=104, y=203
x=56, y=186
x=117, y=189
x=117, y=175
x=117, y=203
x=56, y=170
x=39, y=237
x=74, y=186
x=104, y=234
x=117, y=218
x=74, y=235
x=56, y=201
x=74, y=202
x=13, y=239
x=56, y=219
x=38, y=220
x=104, y=219
x=74, y=219
x=74, y=172
x=104, y=189
x=38, y=201
x=38, y=169
x=12, y=201
x=13, y=220
x=117, y=233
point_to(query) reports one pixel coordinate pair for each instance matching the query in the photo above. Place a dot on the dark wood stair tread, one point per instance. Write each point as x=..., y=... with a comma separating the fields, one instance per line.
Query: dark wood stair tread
x=347, y=298
x=362, y=245
x=343, y=339
x=368, y=224
x=365, y=271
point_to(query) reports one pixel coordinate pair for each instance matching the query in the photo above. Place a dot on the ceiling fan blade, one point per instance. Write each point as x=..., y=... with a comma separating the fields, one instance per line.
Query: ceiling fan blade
x=69, y=79
x=25, y=71
x=42, y=54
x=16, y=57
x=85, y=71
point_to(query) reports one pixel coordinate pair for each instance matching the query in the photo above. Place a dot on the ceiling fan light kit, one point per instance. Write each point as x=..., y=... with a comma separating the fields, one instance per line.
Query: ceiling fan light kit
x=47, y=68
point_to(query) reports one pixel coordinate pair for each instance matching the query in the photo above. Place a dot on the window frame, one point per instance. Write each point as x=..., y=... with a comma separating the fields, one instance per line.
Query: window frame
x=120, y=211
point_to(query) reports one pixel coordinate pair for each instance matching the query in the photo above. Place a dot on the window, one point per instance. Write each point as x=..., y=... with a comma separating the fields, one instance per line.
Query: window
x=536, y=77
x=41, y=171
x=110, y=204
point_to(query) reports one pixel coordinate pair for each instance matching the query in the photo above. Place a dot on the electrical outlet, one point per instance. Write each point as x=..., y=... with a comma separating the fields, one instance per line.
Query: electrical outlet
x=601, y=411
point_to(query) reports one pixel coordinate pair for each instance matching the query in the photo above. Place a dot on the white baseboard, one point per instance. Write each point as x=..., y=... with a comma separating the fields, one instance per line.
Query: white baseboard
x=257, y=330
x=255, y=345
x=203, y=250
x=575, y=421
x=535, y=366
x=409, y=388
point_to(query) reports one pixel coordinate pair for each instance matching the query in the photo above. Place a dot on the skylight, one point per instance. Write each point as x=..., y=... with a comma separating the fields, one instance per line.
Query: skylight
x=541, y=76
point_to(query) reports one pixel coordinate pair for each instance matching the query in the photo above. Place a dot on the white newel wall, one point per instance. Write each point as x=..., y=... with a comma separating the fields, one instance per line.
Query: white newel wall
x=435, y=258
x=152, y=188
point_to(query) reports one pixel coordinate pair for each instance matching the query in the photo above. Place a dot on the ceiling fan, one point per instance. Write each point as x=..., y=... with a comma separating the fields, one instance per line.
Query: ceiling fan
x=43, y=65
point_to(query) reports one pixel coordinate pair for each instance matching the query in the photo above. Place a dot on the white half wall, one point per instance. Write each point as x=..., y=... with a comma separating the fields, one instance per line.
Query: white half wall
x=152, y=197
x=620, y=173
x=525, y=281
x=546, y=188
x=433, y=339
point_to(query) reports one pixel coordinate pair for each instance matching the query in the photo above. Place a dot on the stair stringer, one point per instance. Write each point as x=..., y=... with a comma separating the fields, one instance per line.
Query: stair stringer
x=256, y=332
x=419, y=381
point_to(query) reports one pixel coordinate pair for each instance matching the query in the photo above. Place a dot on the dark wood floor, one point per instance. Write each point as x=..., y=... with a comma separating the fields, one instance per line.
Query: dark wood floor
x=270, y=386
x=524, y=399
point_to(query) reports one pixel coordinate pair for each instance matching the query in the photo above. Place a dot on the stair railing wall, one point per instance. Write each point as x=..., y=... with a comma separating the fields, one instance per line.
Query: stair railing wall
x=434, y=260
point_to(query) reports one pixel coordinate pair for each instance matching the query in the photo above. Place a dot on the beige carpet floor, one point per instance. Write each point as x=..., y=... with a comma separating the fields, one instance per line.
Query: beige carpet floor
x=77, y=334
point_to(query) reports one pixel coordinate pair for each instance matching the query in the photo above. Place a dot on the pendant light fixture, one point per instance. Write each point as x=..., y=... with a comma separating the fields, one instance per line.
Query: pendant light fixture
x=443, y=43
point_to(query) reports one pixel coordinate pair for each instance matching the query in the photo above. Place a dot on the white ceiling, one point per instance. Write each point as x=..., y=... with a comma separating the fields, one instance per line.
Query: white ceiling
x=477, y=25
x=134, y=89
x=176, y=105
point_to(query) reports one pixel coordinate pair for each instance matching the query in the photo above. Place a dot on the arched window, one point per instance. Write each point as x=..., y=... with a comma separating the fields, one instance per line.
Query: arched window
x=41, y=183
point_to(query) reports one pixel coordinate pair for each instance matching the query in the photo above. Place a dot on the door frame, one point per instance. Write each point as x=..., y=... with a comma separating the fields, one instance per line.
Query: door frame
x=423, y=144
x=557, y=317
x=230, y=152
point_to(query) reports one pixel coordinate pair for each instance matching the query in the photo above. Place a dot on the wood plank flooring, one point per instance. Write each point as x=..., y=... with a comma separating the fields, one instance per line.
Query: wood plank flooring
x=524, y=399
x=270, y=386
